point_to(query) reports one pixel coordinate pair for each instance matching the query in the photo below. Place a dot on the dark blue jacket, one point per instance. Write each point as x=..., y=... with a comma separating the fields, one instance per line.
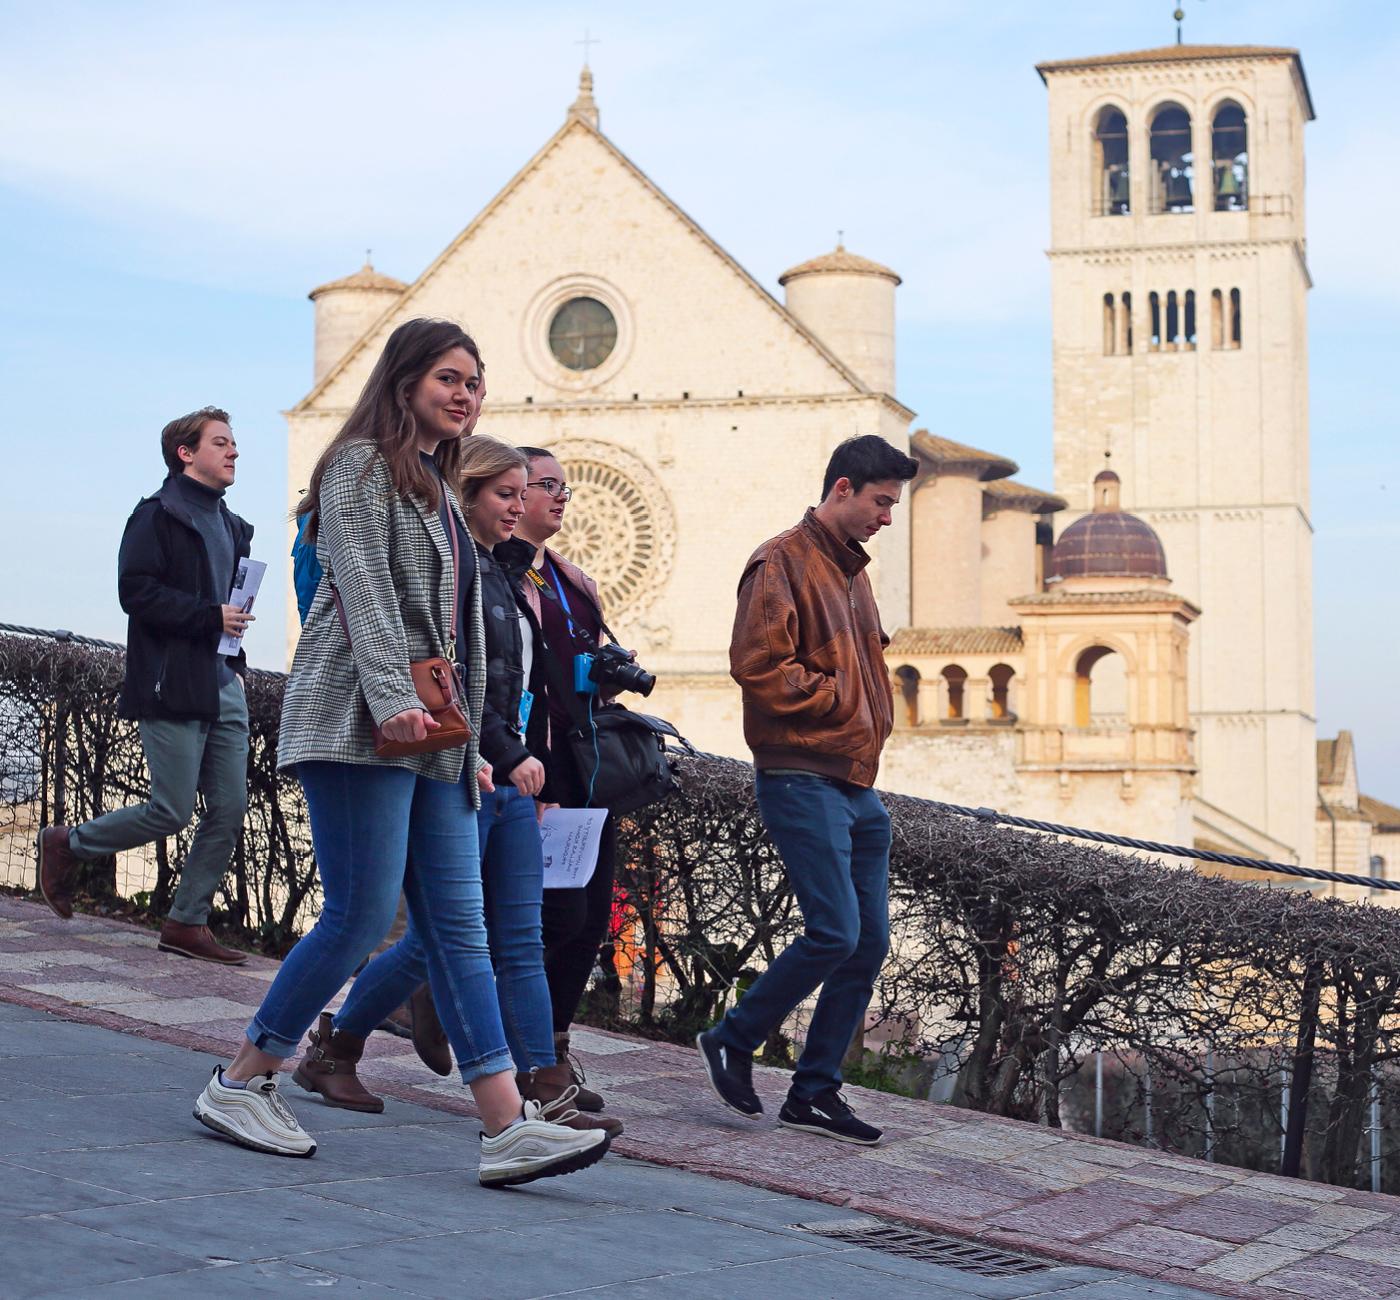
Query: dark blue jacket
x=174, y=618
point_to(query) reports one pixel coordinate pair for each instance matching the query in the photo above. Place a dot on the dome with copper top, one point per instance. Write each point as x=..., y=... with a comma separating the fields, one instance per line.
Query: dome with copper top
x=1108, y=542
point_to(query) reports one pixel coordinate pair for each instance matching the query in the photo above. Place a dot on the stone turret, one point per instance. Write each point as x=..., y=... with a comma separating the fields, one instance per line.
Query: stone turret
x=848, y=303
x=345, y=309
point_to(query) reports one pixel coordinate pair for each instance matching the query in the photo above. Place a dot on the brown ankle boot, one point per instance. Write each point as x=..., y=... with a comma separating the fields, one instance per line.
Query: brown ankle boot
x=586, y=1099
x=429, y=1037
x=329, y=1068
x=553, y=1088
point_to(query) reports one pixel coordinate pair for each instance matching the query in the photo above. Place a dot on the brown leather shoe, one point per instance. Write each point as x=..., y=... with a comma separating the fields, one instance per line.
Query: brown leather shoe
x=429, y=1038
x=552, y=1087
x=329, y=1068
x=196, y=941
x=398, y=1022
x=57, y=869
x=586, y=1099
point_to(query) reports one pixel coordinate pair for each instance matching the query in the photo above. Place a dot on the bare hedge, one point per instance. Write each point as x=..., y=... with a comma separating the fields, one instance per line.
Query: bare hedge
x=1015, y=957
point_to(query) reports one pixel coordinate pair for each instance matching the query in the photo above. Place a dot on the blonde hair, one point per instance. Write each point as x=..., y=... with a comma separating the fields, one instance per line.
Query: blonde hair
x=482, y=459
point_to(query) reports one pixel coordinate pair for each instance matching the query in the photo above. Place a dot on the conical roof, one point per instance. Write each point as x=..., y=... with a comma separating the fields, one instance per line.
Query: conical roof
x=365, y=278
x=839, y=262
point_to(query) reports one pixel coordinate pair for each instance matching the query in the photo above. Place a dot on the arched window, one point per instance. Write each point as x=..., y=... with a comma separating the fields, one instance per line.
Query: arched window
x=1217, y=319
x=1000, y=676
x=1172, y=160
x=1235, y=318
x=1188, y=328
x=1111, y=163
x=1229, y=154
x=906, y=678
x=1378, y=865
x=1173, y=335
x=1100, y=688
x=955, y=679
x=1110, y=327
x=1125, y=324
x=1154, y=305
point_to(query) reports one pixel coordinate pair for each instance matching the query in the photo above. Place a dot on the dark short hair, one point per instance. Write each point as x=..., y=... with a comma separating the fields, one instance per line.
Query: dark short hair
x=534, y=453
x=186, y=432
x=867, y=459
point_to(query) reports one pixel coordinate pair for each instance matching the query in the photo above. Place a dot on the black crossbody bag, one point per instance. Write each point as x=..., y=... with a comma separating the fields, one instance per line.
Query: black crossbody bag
x=621, y=755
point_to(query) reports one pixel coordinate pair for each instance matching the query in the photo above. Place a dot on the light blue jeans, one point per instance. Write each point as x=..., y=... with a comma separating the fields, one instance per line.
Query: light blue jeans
x=512, y=871
x=378, y=830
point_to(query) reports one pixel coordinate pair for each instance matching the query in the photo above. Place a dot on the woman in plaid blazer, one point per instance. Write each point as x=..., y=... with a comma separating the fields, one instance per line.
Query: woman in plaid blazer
x=387, y=521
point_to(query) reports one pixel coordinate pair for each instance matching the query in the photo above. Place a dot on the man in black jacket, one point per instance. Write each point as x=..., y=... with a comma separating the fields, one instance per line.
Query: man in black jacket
x=178, y=556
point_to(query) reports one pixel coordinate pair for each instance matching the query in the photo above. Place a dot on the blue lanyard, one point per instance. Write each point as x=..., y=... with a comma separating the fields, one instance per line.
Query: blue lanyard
x=563, y=598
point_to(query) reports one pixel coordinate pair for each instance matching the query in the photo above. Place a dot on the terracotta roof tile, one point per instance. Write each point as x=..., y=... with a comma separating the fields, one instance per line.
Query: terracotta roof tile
x=1020, y=496
x=1140, y=596
x=1384, y=816
x=1185, y=54
x=955, y=641
x=946, y=454
x=838, y=262
x=1332, y=756
x=365, y=278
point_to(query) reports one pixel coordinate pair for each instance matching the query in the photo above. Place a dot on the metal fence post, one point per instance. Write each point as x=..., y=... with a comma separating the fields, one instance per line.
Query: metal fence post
x=1283, y=1125
x=1210, y=1104
x=1375, y=1132
x=1098, y=1092
x=1147, y=1104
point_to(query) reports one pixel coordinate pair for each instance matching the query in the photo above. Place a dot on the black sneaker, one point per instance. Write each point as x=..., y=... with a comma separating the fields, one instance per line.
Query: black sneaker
x=828, y=1114
x=730, y=1074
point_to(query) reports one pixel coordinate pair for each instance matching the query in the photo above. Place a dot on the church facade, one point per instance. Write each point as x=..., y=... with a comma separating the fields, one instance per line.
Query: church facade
x=1132, y=651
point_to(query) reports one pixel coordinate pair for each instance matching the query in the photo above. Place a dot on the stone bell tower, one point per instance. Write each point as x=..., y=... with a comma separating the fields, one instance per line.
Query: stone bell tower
x=1179, y=281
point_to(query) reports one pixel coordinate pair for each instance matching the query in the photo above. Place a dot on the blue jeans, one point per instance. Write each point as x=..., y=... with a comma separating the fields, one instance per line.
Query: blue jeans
x=512, y=873
x=377, y=830
x=835, y=843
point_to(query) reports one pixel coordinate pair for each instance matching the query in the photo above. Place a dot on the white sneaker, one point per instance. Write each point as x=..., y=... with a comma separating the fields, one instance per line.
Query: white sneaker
x=254, y=1116
x=535, y=1148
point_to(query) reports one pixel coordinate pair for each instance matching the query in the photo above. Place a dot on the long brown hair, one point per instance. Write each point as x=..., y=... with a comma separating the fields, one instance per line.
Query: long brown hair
x=482, y=459
x=382, y=415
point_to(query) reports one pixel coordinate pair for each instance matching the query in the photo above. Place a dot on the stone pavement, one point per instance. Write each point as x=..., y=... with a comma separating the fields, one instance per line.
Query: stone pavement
x=147, y=1171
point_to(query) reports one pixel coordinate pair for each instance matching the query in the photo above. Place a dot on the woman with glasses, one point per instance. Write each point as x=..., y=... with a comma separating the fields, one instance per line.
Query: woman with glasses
x=570, y=614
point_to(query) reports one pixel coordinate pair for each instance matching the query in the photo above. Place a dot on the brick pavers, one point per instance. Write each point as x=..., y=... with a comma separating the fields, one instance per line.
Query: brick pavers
x=1073, y=1198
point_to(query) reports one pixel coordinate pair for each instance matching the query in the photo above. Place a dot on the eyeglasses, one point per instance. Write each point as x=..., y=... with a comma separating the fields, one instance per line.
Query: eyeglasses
x=553, y=488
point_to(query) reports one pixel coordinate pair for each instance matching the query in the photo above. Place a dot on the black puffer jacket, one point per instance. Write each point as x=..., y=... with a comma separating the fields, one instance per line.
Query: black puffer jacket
x=174, y=620
x=501, y=605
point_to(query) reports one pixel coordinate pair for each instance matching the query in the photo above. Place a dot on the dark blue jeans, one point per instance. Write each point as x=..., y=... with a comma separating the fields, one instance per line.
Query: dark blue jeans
x=835, y=843
x=512, y=874
x=378, y=830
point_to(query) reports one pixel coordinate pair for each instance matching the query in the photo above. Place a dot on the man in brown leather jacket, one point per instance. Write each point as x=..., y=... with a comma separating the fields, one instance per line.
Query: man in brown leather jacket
x=807, y=651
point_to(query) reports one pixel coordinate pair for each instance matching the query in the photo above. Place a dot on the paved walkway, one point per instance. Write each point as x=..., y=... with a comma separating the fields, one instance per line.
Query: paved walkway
x=1174, y=1223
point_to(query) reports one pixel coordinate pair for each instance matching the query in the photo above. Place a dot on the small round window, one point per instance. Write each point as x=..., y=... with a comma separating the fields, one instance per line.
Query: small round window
x=582, y=334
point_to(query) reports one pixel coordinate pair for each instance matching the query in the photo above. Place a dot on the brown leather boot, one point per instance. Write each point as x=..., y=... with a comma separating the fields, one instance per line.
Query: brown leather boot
x=429, y=1038
x=552, y=1087
x=586, y=1099
x=57, y=869
x=329, y=1068
x=196, y=941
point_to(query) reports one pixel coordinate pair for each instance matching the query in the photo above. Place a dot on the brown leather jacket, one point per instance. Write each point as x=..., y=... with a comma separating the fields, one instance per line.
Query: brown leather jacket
x=807, y=651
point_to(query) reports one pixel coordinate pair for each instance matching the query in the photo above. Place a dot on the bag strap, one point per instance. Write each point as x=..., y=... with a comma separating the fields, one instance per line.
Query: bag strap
x=451, y=655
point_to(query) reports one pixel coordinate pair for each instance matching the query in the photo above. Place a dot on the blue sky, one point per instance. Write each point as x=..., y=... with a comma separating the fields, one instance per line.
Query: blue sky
x=174, y=178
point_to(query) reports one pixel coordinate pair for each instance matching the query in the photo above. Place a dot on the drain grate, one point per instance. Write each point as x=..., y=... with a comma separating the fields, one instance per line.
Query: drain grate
x=986, y=1261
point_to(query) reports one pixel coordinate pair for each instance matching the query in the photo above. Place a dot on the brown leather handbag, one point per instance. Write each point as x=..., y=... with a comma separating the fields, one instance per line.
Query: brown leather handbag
x=434, y=681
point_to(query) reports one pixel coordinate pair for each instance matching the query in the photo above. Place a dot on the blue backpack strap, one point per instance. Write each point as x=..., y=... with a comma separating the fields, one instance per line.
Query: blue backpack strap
x=306, y=569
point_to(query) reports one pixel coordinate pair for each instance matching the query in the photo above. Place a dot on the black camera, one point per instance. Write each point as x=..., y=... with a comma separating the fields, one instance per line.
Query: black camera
x=610, y=666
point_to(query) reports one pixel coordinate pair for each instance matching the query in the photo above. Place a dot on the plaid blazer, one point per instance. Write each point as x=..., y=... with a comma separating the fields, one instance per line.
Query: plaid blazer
x=391, y=561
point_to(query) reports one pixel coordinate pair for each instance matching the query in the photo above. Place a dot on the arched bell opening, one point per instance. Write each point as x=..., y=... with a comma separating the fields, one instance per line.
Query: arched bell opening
x=1111, y=164
x=1173, y=161
x=1229, y=153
